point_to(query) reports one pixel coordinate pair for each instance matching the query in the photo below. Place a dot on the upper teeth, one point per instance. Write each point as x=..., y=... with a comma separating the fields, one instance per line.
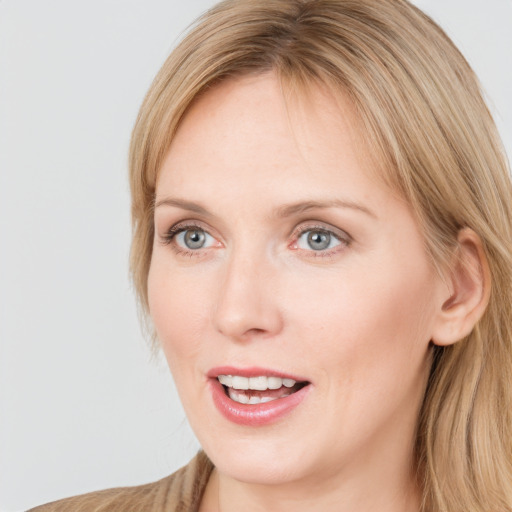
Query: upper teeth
x=257, y=383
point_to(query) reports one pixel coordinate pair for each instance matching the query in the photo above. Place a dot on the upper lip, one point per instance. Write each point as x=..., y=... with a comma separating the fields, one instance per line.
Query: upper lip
x=252, y=372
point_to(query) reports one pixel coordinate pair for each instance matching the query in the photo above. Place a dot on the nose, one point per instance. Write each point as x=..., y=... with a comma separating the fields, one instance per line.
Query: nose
x=248, y=305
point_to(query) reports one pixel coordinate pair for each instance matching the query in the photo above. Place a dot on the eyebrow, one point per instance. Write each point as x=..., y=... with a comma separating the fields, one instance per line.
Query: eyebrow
x=283, y=211
x=184, y=205
x=304, y=206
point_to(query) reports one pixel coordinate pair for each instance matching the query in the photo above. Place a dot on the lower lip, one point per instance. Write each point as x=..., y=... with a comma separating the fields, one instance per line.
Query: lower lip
x=257, y=414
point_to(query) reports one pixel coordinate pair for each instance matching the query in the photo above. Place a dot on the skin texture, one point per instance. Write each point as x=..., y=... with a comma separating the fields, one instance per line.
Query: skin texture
x=355, y=320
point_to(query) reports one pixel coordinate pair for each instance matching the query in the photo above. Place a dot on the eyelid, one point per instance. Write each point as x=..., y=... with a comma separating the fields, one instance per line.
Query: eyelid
x=320, y=226
x=170, y=234
x=342, y=236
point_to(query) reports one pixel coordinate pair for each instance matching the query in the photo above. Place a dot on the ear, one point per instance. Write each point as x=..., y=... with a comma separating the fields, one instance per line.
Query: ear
x=468, y=293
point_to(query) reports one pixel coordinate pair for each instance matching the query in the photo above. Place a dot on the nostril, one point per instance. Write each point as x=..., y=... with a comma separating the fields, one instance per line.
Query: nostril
x=251, y=321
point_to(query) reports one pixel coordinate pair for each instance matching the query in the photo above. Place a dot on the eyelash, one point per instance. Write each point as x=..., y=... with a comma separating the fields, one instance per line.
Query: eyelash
x=174, y=231
x=342, y=237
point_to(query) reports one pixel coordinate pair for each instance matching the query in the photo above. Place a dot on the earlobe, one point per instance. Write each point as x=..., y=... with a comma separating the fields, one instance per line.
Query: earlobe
x=468, y=293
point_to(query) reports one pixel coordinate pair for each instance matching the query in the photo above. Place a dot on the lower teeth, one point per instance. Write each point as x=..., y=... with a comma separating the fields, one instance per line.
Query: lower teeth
x=242, y=398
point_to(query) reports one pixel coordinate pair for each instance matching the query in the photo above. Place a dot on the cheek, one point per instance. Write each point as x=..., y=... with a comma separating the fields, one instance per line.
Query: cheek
x=368, y=338
x=177, y=310
x=369, y=319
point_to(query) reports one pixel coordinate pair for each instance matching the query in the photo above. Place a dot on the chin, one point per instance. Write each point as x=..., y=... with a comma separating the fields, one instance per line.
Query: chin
x=259, y=461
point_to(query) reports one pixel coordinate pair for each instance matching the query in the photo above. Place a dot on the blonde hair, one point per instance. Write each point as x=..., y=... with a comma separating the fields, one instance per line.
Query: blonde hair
x=427, y=124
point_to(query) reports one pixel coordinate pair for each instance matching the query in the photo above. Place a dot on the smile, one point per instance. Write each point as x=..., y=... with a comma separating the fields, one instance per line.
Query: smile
x=258, y=390
x=255, y=397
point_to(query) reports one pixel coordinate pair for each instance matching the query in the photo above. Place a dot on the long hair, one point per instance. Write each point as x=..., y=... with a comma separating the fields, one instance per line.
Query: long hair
x=434, y=141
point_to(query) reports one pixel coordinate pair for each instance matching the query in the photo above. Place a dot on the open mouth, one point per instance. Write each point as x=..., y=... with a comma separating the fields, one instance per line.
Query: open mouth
x=258, y=390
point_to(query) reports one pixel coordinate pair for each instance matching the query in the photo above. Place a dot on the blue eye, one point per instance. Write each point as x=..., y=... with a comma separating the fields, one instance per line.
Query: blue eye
x=193, y=238
x=317, y=240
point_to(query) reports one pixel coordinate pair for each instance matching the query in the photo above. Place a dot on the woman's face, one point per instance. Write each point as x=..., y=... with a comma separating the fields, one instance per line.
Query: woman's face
x=280, y=260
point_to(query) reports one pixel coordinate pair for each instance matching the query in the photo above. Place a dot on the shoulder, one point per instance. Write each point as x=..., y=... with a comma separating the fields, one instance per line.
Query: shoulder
x=180, y=492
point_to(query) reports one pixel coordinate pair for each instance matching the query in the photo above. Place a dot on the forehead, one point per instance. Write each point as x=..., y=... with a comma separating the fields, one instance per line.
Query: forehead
x=258, y=126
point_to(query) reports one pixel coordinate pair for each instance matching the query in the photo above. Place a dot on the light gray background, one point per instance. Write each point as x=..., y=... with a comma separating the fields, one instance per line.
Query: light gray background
x=82, y=406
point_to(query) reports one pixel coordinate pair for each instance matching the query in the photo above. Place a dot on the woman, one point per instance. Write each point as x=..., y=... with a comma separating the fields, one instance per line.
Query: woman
x=322, y=242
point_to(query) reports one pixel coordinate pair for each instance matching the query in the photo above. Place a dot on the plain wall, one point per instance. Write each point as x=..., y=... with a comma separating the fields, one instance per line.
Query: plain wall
x=82, y=405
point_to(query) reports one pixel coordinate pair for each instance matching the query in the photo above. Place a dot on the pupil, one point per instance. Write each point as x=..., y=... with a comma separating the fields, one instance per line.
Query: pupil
x=194, y=239
x=318, y=240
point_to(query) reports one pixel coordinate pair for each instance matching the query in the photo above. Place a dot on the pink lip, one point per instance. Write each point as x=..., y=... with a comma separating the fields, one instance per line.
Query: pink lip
x=258, y=414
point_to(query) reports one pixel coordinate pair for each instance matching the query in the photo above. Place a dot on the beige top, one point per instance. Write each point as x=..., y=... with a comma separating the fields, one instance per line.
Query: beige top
x=180, y=492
